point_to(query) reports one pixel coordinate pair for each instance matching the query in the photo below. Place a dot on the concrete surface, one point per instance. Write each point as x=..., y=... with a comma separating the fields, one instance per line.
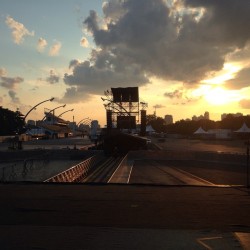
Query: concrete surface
x=50, y=216
x=77, y=216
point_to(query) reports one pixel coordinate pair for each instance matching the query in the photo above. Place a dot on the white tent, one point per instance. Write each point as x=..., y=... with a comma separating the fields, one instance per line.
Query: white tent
x=200, y=131
x=244, y=129
x=149, y=129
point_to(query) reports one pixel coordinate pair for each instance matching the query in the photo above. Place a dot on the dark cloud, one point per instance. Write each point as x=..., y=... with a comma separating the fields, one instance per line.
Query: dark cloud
x=73, y=63
x=146, y=38
x=73, y=95
x=53, y=78
x=113, y=9
x=14, y=98
x=105, y=71
x=174, y=94
x=181, y=96
x=10, y=82
x=225, y=19
x=240, y=81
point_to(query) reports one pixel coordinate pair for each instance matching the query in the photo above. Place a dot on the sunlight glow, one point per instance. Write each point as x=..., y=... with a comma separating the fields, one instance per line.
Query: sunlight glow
x=217, y=95
x=226, y=74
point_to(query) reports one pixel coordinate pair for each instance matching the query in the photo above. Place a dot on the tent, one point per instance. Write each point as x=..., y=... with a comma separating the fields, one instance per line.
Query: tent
x=149, y=129
x=244, y=129
x=200, y=131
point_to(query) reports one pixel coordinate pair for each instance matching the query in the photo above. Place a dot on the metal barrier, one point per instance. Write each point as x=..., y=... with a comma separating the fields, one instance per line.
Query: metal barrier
x=76, y=172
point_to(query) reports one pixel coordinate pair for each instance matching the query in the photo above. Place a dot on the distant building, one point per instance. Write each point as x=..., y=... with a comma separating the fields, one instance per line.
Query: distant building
x=206, y=115
x=94, y=130
x=168, y=119
x=84, y=127
x=72, y=125
x=223, y=116
x=201, y=117
x=31, y=122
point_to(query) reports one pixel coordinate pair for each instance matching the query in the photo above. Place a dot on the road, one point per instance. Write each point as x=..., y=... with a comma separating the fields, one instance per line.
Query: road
x=177, y=215
x=233, y=146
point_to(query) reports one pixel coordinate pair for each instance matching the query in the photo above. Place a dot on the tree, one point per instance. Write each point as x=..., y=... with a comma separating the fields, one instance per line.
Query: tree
x=10, y=122
x=157, y=123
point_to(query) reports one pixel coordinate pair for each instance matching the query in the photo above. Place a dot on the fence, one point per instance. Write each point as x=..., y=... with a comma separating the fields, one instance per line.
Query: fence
x=78, y=171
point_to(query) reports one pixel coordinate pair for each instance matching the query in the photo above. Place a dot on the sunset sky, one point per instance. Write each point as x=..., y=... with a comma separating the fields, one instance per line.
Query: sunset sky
x=186, y=57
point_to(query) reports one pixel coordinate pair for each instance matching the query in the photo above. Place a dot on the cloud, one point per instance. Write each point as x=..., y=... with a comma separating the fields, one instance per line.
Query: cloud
x=73, y=63
x=245, y=103
x=84, y=42
x=73, y=95
x=146, y=38
x=182, y=96
x=240, y=81
x=12, y=95
x=229, y=28
x=53, y=78
x=10, y=82
x=55, y=48
x=18, y=30
x=178, y=94
x=113, y=9
x=3, y=72
x=106, y=71
x=41, y=44
x=158, y=106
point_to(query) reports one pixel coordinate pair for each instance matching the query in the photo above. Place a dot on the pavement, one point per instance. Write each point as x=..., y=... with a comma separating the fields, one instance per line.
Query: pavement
x=77, y=216
x=122, y=216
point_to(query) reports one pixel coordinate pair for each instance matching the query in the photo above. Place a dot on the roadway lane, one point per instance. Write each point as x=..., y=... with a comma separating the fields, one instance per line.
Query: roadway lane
x=155, y=172
x=163, y=173
x=234, y=146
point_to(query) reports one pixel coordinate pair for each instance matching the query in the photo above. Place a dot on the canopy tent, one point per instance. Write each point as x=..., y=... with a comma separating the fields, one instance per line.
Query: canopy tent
x=149, y=129
x=244, y=129
x=200, y=131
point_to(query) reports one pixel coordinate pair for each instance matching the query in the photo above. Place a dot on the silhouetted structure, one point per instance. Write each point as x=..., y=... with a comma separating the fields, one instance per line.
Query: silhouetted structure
x=123, y=108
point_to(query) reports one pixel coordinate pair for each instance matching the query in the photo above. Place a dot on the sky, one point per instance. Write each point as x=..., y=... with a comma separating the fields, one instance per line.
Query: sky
x=186, y=56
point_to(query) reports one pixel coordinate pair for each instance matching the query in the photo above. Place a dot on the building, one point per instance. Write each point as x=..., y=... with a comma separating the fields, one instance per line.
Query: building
x=168, y=119
x=94, y=130
x=206, y=115
x=201, y=117
x=223, y=116
x=31, y=122
x=53, y=126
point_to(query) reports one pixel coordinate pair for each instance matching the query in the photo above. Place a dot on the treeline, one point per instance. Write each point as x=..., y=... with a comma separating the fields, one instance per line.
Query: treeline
x=189, y=127
x=10, y=122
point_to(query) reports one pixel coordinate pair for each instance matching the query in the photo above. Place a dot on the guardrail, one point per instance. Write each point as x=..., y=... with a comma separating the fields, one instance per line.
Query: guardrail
x=76, y=172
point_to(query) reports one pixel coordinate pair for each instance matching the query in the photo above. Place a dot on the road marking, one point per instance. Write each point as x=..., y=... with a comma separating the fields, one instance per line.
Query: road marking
x=196, y=177
x=201, y=241
x=130, y=174
x=114, y=173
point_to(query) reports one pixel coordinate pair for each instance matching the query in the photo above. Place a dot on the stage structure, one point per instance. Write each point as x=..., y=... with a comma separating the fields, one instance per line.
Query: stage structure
x=123, y=108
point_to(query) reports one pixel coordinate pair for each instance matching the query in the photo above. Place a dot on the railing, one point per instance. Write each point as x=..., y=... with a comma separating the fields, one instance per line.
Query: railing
x=76, y=172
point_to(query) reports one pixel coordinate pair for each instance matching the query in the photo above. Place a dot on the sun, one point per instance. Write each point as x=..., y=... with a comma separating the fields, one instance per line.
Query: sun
x=218, y=96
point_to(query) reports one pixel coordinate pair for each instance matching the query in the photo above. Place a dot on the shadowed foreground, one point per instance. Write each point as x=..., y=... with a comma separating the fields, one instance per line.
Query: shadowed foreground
x=56, y=216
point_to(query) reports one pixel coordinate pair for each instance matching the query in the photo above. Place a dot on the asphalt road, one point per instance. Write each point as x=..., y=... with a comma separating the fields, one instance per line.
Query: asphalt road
x=136, y=216
x=39, y=216
x=232, y=146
